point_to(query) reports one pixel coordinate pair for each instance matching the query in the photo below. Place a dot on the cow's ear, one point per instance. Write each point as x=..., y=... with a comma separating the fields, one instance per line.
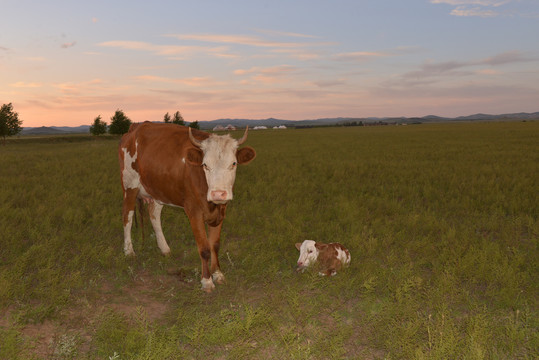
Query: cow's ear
x=245, y=155
x=298, y=246
x=194, y=157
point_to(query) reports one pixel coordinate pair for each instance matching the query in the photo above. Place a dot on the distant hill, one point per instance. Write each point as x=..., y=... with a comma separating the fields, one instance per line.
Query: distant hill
x=271, y=122
x=515, y=116
x=56, y=130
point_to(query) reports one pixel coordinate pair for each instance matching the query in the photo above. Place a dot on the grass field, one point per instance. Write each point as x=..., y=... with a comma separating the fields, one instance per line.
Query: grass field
x=441, y=221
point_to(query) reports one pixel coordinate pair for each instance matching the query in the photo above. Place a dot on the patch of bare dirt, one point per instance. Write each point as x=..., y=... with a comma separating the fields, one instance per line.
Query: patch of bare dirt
x=151, y=295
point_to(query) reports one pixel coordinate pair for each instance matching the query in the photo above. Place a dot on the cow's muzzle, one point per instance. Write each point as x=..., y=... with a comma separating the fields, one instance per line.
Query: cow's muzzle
x=219, y=196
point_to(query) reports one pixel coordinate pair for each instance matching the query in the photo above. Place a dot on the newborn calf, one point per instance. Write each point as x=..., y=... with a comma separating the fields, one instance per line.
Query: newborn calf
x=329, y=257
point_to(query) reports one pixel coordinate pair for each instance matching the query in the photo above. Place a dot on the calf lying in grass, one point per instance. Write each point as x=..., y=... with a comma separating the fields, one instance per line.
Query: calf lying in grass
x=328, y=257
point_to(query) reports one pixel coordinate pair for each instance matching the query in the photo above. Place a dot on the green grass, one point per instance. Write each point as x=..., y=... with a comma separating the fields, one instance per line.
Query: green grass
x=441, y=221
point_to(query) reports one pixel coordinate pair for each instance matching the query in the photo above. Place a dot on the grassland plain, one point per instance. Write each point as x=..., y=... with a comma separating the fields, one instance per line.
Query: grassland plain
x=441, y=221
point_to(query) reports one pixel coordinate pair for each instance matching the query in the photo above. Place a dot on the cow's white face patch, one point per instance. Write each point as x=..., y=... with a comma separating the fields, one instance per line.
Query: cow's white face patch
x=219, y=164
x=308, y=253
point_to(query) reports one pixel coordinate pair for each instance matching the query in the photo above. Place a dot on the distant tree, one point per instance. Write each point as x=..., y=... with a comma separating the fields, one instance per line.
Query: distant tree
x=178, y=119
x=9, y=121
x=166, y=118
x=194, y=125
x=119, y=123
x=99, y=127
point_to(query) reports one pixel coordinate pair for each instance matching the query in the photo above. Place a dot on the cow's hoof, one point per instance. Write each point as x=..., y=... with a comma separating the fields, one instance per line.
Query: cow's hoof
x=218, y=277
x=166, y=253
x=207, y=285
x=129, y=253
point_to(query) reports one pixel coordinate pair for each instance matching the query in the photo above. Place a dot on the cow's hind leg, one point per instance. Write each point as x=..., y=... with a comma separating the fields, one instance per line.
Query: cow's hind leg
x=128, y=211
x=154, y=209
x=214, y=235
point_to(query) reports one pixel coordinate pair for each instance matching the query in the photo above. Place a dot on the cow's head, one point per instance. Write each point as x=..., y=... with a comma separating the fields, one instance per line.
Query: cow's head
x=219, y=156
x=308, y=254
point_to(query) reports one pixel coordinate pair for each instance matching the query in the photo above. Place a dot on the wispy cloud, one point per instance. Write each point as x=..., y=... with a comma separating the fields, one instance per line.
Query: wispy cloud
x=508, y=57
x=360, y=55
x=285, y=34
x=21, y=84
x=68, y=45
x=237, y=40
x=494, y=3
x=72, y=88
x=369, y=55
x=172, y=51
x=194, y=81
x=268, y=75
x=477, y=8
x=35, y=58
x=456, y=68
x=227, y=45
x=302, y=47
x=489, y=72
x=301, y=54
x=144, y=46
x=329, y=83
x=432, y=69
x=475, y=11
x=274, y=70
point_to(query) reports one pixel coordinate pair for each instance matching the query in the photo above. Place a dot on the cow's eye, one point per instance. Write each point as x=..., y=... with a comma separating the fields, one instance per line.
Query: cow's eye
x=206, y=167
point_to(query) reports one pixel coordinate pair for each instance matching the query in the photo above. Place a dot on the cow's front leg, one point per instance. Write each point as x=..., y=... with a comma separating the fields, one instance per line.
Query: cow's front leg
x=199, y=231
x=128, y=211
x=214, y=235
x=154, y=209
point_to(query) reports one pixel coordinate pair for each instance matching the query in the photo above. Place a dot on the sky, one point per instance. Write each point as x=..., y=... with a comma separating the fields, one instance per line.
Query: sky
x=63, y=63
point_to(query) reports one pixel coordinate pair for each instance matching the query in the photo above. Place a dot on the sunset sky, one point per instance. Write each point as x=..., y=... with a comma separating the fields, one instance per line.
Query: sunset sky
x=65, y=62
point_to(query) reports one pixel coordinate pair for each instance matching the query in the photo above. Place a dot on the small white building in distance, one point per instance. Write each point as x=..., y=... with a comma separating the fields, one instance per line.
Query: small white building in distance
x=224, y=128
x=280, y=127
x=260, y=128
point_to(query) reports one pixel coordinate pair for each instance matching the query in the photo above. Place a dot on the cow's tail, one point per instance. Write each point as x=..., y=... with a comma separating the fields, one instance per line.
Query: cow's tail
x=140, y=206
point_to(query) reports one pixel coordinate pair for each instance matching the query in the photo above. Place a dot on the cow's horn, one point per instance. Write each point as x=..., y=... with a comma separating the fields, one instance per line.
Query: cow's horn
x=193, y=140
x=244, y=137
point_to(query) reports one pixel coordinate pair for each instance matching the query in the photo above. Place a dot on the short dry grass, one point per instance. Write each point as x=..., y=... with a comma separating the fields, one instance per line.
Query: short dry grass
x=441, y=221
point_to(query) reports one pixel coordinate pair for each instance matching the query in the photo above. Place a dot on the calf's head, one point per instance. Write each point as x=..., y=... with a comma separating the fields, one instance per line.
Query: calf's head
x=308, y=253
x=219, y=156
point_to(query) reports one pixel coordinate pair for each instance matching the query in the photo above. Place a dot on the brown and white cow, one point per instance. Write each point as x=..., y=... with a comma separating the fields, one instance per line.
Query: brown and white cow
x=167, y=164
x=328, y=257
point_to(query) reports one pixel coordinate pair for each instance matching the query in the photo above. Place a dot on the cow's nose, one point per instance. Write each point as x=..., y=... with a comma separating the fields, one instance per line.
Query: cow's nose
x=219, y=195
x=300, y=263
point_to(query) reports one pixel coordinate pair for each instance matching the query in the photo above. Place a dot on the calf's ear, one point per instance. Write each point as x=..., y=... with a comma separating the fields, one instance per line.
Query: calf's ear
x=245, y=155
x=194, y=157
x=298, y=246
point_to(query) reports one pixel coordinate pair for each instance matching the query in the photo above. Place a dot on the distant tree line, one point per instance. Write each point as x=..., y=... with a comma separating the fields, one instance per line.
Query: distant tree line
x=351, y=123
x=120, y=123
x=177, y=118
x=10, y=124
